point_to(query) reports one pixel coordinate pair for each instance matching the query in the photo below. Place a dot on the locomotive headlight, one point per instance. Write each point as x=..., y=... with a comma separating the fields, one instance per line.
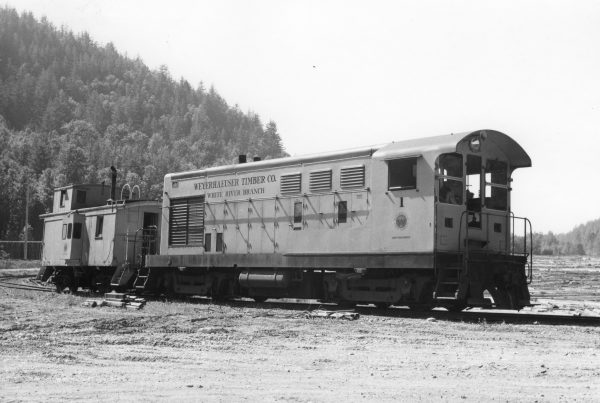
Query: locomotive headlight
x=475, y=144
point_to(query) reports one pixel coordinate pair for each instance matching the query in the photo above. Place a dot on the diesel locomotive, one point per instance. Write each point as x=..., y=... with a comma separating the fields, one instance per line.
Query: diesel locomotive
x=418, y=223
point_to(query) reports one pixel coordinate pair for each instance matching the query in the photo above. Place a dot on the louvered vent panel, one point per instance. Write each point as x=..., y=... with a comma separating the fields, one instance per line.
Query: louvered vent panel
x=291, y=184
x=186, y=221
x=196, y=221
x=320, y=181
x=352, y=177
x=178, y=223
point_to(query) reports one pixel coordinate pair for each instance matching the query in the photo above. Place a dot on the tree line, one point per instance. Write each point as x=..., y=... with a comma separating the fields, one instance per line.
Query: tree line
x=70, y=108
x=581, y=240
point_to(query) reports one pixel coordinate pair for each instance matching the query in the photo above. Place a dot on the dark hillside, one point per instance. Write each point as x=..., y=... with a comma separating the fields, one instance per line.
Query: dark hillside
x=69, y=109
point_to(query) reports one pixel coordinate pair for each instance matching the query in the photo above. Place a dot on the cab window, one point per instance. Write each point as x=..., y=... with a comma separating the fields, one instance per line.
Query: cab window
x=496, y=185
x=450, y=178
x=451, y=165
x=473, y=183
x=402, y=174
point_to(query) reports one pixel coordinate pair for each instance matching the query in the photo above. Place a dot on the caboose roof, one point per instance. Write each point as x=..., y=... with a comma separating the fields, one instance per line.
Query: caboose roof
x=120, y=205
x=81, y=186
x=440, y=144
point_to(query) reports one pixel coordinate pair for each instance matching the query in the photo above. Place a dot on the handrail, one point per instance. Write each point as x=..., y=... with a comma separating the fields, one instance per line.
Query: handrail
x=145, y=237
x=508, y=249
x=530, y=262
x=466, y=243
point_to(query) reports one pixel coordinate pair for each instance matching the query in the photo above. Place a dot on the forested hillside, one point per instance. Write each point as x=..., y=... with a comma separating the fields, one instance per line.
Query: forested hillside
x=69, y=109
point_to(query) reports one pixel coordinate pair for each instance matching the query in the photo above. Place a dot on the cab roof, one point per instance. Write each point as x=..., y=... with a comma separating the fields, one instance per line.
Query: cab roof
x=516, y=156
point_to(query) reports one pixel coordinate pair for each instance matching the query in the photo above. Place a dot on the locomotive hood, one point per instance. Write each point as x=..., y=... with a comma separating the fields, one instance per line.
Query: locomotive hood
x=457, y=142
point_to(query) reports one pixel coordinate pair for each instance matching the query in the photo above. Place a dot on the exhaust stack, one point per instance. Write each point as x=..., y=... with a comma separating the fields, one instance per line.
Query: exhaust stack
x=113, y=182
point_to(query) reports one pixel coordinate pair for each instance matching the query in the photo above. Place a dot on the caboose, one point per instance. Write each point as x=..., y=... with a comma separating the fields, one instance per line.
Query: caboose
x=420, y=223
x=89, y=237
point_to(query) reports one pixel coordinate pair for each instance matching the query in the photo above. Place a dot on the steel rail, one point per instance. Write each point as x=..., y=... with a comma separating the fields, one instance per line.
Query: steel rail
x=20, y=286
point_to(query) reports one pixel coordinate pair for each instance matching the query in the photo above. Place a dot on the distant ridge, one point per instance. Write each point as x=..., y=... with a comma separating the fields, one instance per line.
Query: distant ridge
x=69, y=109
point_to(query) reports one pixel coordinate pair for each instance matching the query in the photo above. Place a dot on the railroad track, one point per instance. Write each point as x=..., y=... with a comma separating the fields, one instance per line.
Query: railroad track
x=24, y=286
x=490, y=316
x=468, y=315
x=474, y=315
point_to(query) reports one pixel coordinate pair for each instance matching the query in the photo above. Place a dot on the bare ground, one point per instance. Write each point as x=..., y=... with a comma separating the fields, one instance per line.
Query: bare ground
x=53, y=349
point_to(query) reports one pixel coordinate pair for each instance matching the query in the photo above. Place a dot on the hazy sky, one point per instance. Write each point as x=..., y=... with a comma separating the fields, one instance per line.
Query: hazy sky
x=339, y=74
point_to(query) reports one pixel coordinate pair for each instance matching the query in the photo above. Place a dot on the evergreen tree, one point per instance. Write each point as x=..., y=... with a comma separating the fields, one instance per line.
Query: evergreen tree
x=69, y=109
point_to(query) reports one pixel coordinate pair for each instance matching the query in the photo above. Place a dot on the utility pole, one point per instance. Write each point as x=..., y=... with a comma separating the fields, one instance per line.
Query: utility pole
x=26, y=220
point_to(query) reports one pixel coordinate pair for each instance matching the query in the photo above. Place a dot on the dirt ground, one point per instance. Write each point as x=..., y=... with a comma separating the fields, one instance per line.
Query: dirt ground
x=54, y=349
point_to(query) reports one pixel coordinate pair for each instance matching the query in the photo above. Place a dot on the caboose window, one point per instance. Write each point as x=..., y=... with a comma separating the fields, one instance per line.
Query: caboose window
x=99, y=226
x=77, y=230
x=402, y=174
x=64, y=196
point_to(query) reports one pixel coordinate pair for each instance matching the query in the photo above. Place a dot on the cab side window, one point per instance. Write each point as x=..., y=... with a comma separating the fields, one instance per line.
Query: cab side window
x=496, y=185
x=450, y=178
x=402, y=174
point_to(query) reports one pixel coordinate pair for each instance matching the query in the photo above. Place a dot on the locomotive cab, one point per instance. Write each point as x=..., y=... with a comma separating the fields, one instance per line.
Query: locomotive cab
x=475, y=227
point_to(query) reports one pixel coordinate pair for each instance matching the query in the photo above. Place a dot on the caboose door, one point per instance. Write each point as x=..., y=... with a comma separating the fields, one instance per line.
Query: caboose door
x=73, y=235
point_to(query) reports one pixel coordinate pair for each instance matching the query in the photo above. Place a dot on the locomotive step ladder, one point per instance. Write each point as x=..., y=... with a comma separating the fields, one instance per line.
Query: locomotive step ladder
x=448, y=283
x=142, y=278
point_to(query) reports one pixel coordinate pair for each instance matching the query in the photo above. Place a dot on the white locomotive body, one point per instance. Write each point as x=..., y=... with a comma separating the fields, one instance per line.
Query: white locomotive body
x=420, y=223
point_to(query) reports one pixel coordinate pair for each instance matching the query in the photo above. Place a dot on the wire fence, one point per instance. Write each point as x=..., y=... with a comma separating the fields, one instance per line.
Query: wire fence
x=16, y=250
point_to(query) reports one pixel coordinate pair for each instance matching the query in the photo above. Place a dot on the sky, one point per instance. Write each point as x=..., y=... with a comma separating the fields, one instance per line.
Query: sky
x=342, y=74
